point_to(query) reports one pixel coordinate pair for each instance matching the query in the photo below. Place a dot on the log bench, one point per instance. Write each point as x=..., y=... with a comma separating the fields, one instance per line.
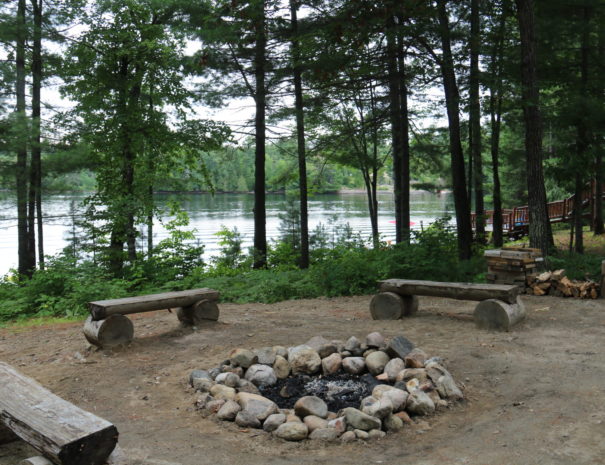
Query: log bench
x=499, y=306
x=107, y=325
x=59, y=430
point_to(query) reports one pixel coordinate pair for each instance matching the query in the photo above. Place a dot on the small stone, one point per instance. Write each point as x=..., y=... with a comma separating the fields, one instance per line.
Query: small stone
x=202, y=384
x=375, y=340
x=220, y=391
x=368, y=352
x=291, y=417
x=281, y=351
x=376, y=362
x=239, y=371
x=359, y=420
x=247, y=420
x=404, y=417
x=397, y=397
x=360, y=434
x=352, y=344
x=316, y=342
x=354, y=365
x=339, y=424
x=393, y=423
x=273, y=421
x=311, y=405
x=331, y=364
x=376, y=434
x=202, y=401
x=314, y=422
x=292, y=431
x=244, y=385
x=332, y=416
x=266, y=355
x=399, y=346
x=379, y=408
x=261, y=375
x=412, y=385
x=393, y=368
x=382, y=377
x=415, y=359
x=243, y=358
x=199, y=374
x=420, y=403
x=281, y=367
x=214, y=372
x=304, y=360
x=444, y=382
x=418, y=373
x=228, y=411
x=260, y=407
x=348, y=436
x=345, y=353
x=215, y=405
x=327, y=349
x=324, y=434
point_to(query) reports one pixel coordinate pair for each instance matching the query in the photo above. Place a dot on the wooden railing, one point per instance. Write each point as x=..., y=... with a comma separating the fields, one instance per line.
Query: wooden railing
x=515, y=221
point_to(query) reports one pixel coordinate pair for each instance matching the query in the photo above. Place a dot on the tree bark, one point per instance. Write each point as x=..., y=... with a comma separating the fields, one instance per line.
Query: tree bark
x=396, y=126
x=405, y=136
x=475, y=122
x=260, y=216
x=300, y=138
x=452, y=98
x=495, y=105
x=25, y=263
x=598, y=226
x=36, y=147
x=540, y=233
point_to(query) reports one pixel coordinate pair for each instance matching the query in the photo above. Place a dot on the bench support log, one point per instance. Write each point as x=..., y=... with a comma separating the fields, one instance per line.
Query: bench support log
x=198, y=313
x=392, y=306
x=6, y=435
x=115, y=330
x=493, y=314
x=62, y=432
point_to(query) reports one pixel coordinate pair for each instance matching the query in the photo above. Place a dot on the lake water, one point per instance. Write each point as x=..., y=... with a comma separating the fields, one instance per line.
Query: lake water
x=208, y=214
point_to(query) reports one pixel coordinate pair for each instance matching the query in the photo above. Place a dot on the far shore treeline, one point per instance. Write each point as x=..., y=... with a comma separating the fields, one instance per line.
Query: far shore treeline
x=500, y=102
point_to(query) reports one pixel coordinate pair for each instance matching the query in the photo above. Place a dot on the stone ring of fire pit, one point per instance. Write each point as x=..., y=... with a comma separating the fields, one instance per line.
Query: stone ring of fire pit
x=326, y=390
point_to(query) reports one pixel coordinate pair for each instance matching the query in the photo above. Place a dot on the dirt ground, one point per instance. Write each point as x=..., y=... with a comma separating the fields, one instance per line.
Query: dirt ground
x=534, y=396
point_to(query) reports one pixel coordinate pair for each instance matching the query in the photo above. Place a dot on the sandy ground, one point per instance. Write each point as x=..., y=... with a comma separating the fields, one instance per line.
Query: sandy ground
x=534, y=396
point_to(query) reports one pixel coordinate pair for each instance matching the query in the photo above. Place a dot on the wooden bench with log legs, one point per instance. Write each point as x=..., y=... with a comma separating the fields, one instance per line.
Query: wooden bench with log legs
x=499, y=306
x=108, y=326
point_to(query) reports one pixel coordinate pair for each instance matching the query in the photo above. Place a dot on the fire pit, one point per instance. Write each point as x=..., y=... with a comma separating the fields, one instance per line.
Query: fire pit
x=326, y=390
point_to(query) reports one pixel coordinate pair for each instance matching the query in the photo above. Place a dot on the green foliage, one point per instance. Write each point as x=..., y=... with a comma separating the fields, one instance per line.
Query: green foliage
x=577, y=266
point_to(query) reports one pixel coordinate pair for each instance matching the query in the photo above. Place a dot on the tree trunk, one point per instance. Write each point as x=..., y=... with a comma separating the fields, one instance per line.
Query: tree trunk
x=405, y=137
x=577, y=213
x=540, y=233
x=260, y=216
x=495, y=105
x=36, y=148
x=300, y=137
x=25, y=263
x=598, y=226
x=396, y=126
x=452, y=98
x=475, y=122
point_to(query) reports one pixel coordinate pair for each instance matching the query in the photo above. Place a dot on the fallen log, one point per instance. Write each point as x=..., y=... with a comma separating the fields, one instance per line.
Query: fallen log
x=59, y=430
x=392, y=306
x=113, y=331
x=101, y=309
x=460, y=291
x=36, y=461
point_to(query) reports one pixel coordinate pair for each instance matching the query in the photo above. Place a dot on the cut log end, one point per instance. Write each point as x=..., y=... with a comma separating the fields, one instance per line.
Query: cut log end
x=198, y=313
x=113, y=331
x=387, y=306
x=496, y=315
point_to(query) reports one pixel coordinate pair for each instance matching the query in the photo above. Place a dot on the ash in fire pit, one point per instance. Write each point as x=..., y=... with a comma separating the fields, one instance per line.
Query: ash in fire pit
x=338, y=391
x=326, y=390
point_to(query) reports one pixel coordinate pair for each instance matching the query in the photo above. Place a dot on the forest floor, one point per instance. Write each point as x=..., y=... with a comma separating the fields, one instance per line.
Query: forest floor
x=534, y=396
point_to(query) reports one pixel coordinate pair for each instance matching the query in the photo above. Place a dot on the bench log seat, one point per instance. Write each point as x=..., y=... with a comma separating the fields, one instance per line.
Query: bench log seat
x=108, y=326
x=499, y=308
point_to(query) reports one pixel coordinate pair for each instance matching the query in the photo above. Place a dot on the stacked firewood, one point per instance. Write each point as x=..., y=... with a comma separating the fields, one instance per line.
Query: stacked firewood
x=555, y=283
x=512, y=265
